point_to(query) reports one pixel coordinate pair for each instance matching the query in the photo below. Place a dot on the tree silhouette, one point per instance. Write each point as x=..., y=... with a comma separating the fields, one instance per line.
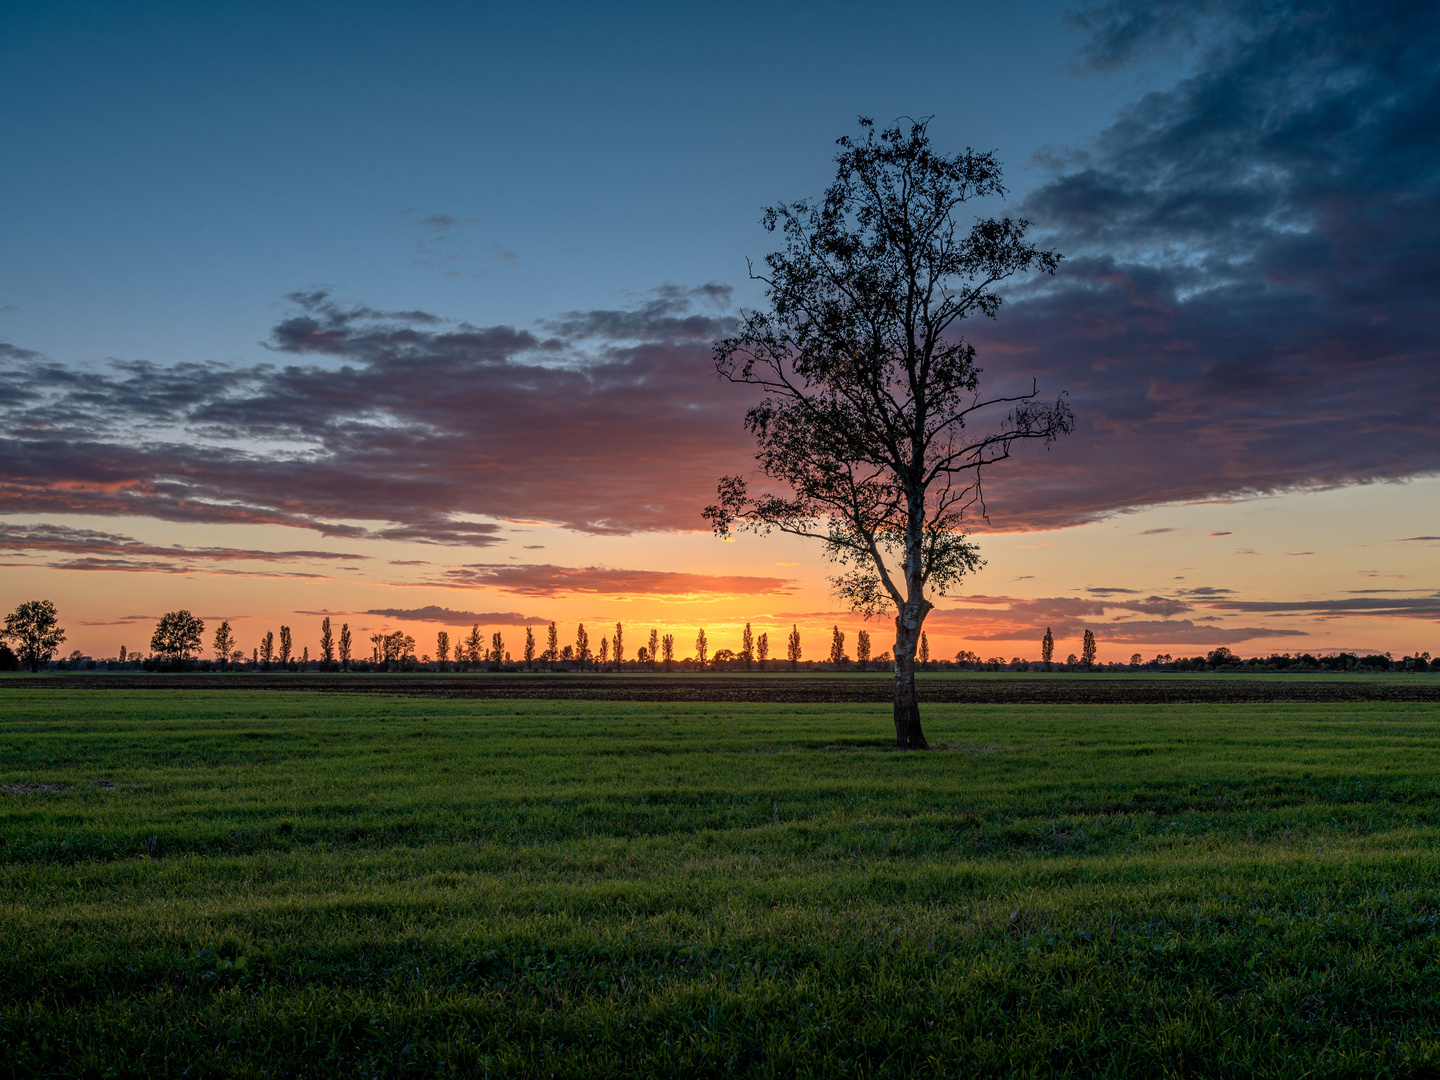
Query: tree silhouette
x=1087, y=649
x=1047, y=646
x=762, y=648
x=267, y=648
x=474, y=645
x=667, y=645
x=177, y=635
x=224, y=643
x=604, y=652
x=654, y=647
x=285, y=646
x=872, y=415
x=793, y=647
x=552, y=646
x=529, y=647
x=497, y=648
x=582, y=645
x=345, y=644
x=701, y=647
x=862, y=649
x=327, y=643
x=924, y=648
x=747, y=647
x=442, y=647
x=619, y=649
x=837, y=647
x=34, y=626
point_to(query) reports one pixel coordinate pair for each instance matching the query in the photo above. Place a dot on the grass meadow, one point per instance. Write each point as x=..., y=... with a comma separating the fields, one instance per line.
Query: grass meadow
x=273, y=884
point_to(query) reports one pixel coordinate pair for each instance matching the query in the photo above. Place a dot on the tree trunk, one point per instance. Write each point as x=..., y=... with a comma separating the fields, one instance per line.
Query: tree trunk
x=908, y=734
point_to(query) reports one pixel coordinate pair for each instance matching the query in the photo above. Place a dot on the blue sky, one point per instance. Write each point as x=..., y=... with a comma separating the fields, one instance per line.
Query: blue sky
x=176, y=169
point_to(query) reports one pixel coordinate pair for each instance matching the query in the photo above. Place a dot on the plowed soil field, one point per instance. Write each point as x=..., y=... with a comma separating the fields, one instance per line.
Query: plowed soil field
x=785, y=688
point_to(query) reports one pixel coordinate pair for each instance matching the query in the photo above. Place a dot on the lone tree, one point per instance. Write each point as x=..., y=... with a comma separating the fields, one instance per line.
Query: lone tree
x=872, y=428
x=177, y=636
x=34, y=626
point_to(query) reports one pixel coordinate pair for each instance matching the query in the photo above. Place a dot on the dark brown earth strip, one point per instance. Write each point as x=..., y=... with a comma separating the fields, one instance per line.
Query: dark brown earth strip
x=875, y=689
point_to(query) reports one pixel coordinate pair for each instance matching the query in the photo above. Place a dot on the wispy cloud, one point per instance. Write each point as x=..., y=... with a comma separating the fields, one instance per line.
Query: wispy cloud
x=546, y=580
x=432, y=613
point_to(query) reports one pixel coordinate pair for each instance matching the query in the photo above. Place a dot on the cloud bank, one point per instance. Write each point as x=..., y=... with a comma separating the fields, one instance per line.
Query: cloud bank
x=1248, y=305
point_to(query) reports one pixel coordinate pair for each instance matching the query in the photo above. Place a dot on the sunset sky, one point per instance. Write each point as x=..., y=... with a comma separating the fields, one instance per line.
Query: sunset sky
x=403, y=313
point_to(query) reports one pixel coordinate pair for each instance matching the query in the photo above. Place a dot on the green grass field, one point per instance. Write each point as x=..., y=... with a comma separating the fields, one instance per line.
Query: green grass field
x=374, y=886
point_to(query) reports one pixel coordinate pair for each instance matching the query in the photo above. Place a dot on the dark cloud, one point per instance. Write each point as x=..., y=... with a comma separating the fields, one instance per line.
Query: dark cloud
x=1411, y=539
x=612, y=421
x=156, y=566
x=1427, y=607
x=547, y=580
x=1249, y=303
x=1153, y=532
x=434, y=614
x=63, y=538
x=1002, y=618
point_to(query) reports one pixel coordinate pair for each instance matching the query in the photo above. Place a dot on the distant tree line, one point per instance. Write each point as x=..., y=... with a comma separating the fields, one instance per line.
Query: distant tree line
x=177, y=642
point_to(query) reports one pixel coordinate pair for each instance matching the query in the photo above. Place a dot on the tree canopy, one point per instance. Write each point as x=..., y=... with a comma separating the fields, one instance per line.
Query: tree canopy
x=34, y=626
x=177, y=635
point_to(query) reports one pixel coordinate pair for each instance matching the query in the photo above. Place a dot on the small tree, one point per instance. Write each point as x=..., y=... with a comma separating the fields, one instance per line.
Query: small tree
x=267, y=648
x=654, y=647
x=582, y=645
x=177, y=635
x=872, y=427
x=837, y=647
x=285, y=646
x=474, y=645
x=747, y=647
x=619, y=649
x=1087, y=649
x=762, y=649
x=529, y=646
x=497, y=648
x=377, y=646
x=1047, y=647
x=667, y=647
x=442, y=647
x=327, y=643
x=35, y=628
x=793, y=647
x=224, y=643
x=702, y=646
x=862, y=649
x=1136, y=660
x=346, y=642
x=924, y=648
x=552, y=646
x=604, y=652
